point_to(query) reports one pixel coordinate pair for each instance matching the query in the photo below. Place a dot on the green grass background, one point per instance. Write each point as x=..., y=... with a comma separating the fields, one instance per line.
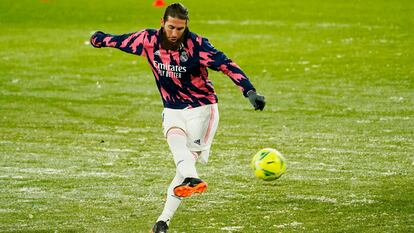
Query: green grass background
x=81, y=147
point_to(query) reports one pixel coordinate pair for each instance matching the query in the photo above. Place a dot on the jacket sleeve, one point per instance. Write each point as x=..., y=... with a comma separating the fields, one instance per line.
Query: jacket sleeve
x=130, y=43
x=216, y=60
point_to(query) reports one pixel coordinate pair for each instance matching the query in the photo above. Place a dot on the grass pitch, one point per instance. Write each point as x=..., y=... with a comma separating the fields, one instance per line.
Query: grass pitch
x=81, y=147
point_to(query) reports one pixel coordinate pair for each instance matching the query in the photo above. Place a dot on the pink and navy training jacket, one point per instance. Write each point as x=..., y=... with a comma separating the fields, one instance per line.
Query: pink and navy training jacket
x=181, y=76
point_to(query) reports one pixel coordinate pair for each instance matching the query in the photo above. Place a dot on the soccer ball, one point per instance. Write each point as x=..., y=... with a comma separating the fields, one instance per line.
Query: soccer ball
x=268, y=164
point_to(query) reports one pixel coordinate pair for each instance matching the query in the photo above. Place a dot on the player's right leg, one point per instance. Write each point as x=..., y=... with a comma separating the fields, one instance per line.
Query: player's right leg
x=190, y=186
x=183, y=158
x=185, y=163
x=175, y=130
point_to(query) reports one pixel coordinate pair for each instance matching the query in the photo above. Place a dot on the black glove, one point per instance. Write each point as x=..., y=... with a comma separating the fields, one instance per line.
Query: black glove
x=258, y=101
x=93, y=38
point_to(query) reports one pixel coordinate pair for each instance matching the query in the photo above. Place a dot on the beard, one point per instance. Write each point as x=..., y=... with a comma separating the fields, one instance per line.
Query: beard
x=170, y=45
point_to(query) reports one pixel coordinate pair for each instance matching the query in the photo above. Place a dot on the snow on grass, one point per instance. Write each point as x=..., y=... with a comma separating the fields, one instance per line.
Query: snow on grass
x=79, y=158
x=120, y=150
x=314, y=198
x=99, y=174
x=231, y=228
x=289, y=225
x=2, y=210
x=31, y=190
x=42, y=171
x=279, y=23
x=344, y=200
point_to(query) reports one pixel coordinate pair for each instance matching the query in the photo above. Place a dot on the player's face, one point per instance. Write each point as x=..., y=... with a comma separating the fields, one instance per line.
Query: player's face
x=174, y=28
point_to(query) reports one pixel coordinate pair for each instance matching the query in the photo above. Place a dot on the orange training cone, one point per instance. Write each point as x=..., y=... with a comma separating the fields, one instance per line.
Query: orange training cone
x=159, y=3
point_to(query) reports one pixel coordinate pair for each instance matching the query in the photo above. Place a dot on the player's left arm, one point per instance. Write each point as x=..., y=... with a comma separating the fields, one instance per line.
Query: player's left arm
x=217, y=60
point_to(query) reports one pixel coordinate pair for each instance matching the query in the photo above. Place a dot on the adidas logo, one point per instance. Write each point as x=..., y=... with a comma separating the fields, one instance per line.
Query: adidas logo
x=198, y=142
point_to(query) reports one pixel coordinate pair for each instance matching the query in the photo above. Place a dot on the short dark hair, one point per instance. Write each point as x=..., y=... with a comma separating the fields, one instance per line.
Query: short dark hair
x=176, y=10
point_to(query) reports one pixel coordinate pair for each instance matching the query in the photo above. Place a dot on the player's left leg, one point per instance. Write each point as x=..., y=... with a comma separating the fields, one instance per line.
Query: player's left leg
x=175, y=132
x=201, y=132
x=172, y=203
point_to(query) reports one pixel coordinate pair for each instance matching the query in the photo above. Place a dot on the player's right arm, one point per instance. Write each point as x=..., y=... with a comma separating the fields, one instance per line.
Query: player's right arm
x=130, y=43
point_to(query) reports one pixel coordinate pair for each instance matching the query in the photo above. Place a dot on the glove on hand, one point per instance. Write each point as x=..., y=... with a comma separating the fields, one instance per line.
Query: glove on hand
x=258, y=101
x=93, y=40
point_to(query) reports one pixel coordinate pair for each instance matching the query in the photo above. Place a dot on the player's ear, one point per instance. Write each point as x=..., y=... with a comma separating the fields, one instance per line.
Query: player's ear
x=162, y=22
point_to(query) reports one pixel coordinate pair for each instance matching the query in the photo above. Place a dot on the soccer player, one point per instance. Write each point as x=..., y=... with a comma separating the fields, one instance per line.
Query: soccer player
x=179, y=60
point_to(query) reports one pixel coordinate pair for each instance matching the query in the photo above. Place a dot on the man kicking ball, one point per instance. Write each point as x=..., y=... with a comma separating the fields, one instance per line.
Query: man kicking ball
x=179, y=60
